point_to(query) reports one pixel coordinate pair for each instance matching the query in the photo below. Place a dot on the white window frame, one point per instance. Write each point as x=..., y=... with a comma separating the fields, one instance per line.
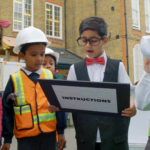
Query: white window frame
x=145, y=4
x=32, y=21
x=137, y=52
x=133, y=25
x=49, y=36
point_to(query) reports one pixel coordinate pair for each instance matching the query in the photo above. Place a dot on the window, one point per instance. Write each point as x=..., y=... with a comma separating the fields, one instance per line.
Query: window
x=23, y=14
x=147, y=15
x=138, y=63
x=135, y=14
x=53, y=21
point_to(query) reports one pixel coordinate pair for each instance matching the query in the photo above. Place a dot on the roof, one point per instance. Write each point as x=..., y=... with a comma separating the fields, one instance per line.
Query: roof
x=9, y=41
x=66, y=56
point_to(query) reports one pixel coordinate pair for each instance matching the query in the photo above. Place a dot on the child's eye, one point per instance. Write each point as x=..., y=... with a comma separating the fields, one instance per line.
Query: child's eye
x=33, y=54
x=44, y=64
x=94, y=41
x=51, y=64
x=42, y=54
x=84, y=41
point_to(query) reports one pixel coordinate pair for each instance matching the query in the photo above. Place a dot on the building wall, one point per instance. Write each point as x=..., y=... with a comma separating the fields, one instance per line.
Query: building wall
x=80, y=11
x=76, y=11
x=134, y=36
x=116, y=48
x=6, y=12
x=113, y=19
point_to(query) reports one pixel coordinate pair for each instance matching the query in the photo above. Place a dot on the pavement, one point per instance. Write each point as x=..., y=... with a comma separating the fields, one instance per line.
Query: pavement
x=71, y=142
x=69, y=135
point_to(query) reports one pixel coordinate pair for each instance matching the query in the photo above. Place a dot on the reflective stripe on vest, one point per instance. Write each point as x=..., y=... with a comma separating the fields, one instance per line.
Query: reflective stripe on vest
x=48, y=74
x=44, y=117
x=24, y=109
x=19, y=88
x=21, y=98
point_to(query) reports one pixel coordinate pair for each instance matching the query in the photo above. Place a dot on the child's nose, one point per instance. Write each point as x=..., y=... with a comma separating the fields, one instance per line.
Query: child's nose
x=48, y=66
x=88, y=44
x=39, y=58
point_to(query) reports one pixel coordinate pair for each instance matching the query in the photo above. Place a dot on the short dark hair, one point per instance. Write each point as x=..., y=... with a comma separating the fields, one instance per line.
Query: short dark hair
x=54, y=60
x=94, y=23
x=24, y=47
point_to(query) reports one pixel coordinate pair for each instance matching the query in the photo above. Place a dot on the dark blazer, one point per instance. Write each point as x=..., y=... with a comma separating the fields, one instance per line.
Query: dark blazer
x=113, y=130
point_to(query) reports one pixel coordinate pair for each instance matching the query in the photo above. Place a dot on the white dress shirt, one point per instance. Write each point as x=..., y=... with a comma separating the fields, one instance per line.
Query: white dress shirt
x=142, y=92
x=29, y=72
x=96, y=73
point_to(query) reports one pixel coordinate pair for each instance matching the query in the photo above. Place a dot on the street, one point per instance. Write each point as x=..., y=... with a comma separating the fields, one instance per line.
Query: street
x=69, y=135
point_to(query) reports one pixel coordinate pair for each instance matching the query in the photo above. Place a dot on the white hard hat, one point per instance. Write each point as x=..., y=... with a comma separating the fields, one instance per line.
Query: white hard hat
x=29, y=35
x=51, y=52
x=145, y=46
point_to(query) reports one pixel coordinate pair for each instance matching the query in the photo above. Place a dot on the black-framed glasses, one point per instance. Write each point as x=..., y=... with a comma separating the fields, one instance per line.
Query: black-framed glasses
x=94, y=41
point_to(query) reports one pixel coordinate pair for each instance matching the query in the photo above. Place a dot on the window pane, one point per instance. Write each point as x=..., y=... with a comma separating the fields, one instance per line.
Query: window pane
x=47, y=33
x=15, y=15
x=51, y=28
x=47, y=6
x=53, y=20
x=18, y=14
x=135, y=13
x=49, y=19
x=29, y=7
x=135, y=4
x=15, y=25
x=16, y=8
x=19, y=27
x=135, y=17
x=29, y=23
x=57, y=21
x=146, y=9
x=51, y=33
x=147, y=15
x=147, y=22
x=28, y=13
x=138, y=62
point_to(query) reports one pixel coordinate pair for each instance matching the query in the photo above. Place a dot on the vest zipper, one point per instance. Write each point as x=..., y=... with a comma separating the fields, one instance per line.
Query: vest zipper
x=37, y=110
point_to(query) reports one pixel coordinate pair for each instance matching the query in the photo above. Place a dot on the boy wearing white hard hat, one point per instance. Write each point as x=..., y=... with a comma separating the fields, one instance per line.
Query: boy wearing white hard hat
x=24, y=102
x=51, y=60
x=50, y=63
x=143, y=88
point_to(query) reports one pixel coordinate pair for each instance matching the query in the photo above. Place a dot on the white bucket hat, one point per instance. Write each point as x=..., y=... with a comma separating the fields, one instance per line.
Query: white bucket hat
x=51, y=52
x=29, y=35
x=145, y=46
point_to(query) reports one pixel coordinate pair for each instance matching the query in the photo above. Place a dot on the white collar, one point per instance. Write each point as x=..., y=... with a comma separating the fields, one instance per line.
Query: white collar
x=103, y=55
x=29, y=72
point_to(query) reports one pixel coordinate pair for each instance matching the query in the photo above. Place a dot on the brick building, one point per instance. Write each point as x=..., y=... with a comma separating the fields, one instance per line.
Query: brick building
x=113, y=11
x=47, y=15
x=60, y=20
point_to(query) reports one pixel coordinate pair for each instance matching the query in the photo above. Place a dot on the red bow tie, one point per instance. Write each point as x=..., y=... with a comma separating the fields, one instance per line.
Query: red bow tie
x=90, y=61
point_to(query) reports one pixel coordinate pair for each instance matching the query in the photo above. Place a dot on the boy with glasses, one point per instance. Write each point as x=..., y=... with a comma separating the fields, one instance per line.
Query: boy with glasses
x=96, y=132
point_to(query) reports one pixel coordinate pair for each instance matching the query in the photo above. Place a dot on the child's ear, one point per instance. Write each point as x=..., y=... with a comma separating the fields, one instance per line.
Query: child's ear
x=105, y=41
x=21, y=55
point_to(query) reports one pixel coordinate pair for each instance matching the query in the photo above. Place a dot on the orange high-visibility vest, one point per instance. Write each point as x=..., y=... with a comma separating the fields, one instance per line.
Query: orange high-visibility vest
x=31, y=114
